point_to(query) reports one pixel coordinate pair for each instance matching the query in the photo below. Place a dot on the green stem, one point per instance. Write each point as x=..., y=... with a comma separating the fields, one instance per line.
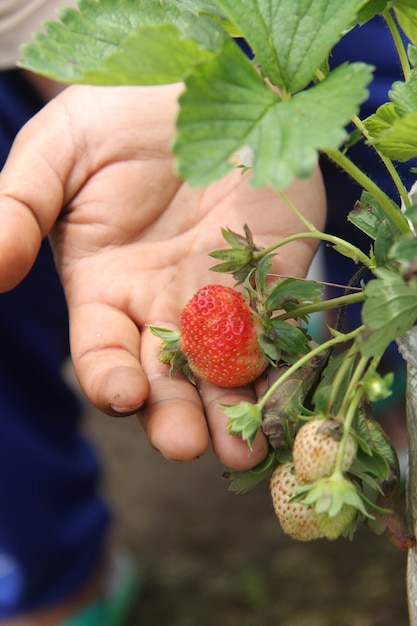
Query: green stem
x=402, y=54
x=309, y=225
x=352, y=399
x=363, y=362
x=326, y=305
x=388, y=206
x=350, y=414
x=338, y=379
x=339, y=338
x=357, y=255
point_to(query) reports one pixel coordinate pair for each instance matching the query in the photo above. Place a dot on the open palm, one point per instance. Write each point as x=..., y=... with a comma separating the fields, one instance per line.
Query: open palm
x=94, y=170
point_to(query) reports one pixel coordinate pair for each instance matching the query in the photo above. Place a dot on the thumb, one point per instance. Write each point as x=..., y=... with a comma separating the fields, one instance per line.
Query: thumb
x=32, y=191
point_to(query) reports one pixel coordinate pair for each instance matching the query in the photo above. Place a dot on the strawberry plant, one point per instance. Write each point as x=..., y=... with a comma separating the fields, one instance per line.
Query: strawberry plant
x=333, y=468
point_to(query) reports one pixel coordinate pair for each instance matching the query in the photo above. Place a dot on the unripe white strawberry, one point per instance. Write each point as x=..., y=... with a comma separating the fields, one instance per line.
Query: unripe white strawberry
x=334, y=527
x=297, y=520
x=315, y=450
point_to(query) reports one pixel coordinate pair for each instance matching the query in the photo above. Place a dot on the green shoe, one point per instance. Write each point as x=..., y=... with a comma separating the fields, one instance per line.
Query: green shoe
x=113, y=607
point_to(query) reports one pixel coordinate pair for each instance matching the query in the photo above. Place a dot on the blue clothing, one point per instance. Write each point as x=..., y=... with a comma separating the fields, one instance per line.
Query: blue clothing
x=52, y=519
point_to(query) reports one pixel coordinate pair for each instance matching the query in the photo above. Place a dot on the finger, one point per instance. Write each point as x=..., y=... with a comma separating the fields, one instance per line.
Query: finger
x=173, y=418
x=105, y=346
x=231, y=450
x=31, y=193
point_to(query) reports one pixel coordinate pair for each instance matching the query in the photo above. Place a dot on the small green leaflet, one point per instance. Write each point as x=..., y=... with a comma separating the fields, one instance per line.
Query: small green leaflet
x=326, y=402
x=389, y=310
x=371, y=8
x=222, y=111
x=245, y=420
x=379, y=443
x=393, y=128
x=122, y=43
x=399, y=142
x=406, y=14
x=405, y=249
x=404, y=94
x=292, y=290
x=368, y=216
x=412, y=54
x=291, y=38
x=291, y=339
x=244, y=481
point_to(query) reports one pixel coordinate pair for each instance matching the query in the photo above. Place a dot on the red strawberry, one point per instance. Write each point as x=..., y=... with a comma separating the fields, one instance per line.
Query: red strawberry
x=315, y=450
x=219, y=337
x=297, y=519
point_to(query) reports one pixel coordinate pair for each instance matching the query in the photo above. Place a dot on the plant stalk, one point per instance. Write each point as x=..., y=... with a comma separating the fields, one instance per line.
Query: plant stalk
x=388, y=206
x=355, y=253
x=339, y=338
x=352, y=400
x=326, y=305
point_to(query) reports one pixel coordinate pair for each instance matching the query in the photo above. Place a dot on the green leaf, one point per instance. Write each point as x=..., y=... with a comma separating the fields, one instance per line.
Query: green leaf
x=367, y=468
x=405, y=249
x=284, y=408
x=411, y=214
x=372, y=432
x=385, y=237
x=368, y=216
x=389, y=310
x=294, y=290
x=404, y=94
x=244, y=481
x=405, y=11
x=211, y=8
x=399, y=142
x=271, y=348
x=153, y=55
x=382, y=120
x=124, y=42
x=222, y=111
x=393, y=128
x=371, y=9
x=412, y=54
x=326, y=402
x=262, y=272
x=166, y=334
x=291, y=339
x=291, y=38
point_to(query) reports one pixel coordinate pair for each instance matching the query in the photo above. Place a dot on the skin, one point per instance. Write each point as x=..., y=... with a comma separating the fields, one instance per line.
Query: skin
x=94, y=171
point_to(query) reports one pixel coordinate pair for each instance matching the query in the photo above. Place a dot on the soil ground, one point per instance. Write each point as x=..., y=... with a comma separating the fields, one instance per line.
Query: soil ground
x=209, y=556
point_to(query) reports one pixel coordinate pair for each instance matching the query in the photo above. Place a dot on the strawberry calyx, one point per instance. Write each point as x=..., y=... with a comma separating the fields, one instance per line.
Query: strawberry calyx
x=238, y=260
x=244, y=421
x=335, y=501
x=170, y=351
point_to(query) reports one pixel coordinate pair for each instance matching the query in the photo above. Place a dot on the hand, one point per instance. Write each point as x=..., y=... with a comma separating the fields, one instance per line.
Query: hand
x=94, y=170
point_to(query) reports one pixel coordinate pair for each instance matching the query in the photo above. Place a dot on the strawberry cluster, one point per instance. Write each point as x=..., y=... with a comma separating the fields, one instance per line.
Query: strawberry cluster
x=315, y=452
x=330, y=464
